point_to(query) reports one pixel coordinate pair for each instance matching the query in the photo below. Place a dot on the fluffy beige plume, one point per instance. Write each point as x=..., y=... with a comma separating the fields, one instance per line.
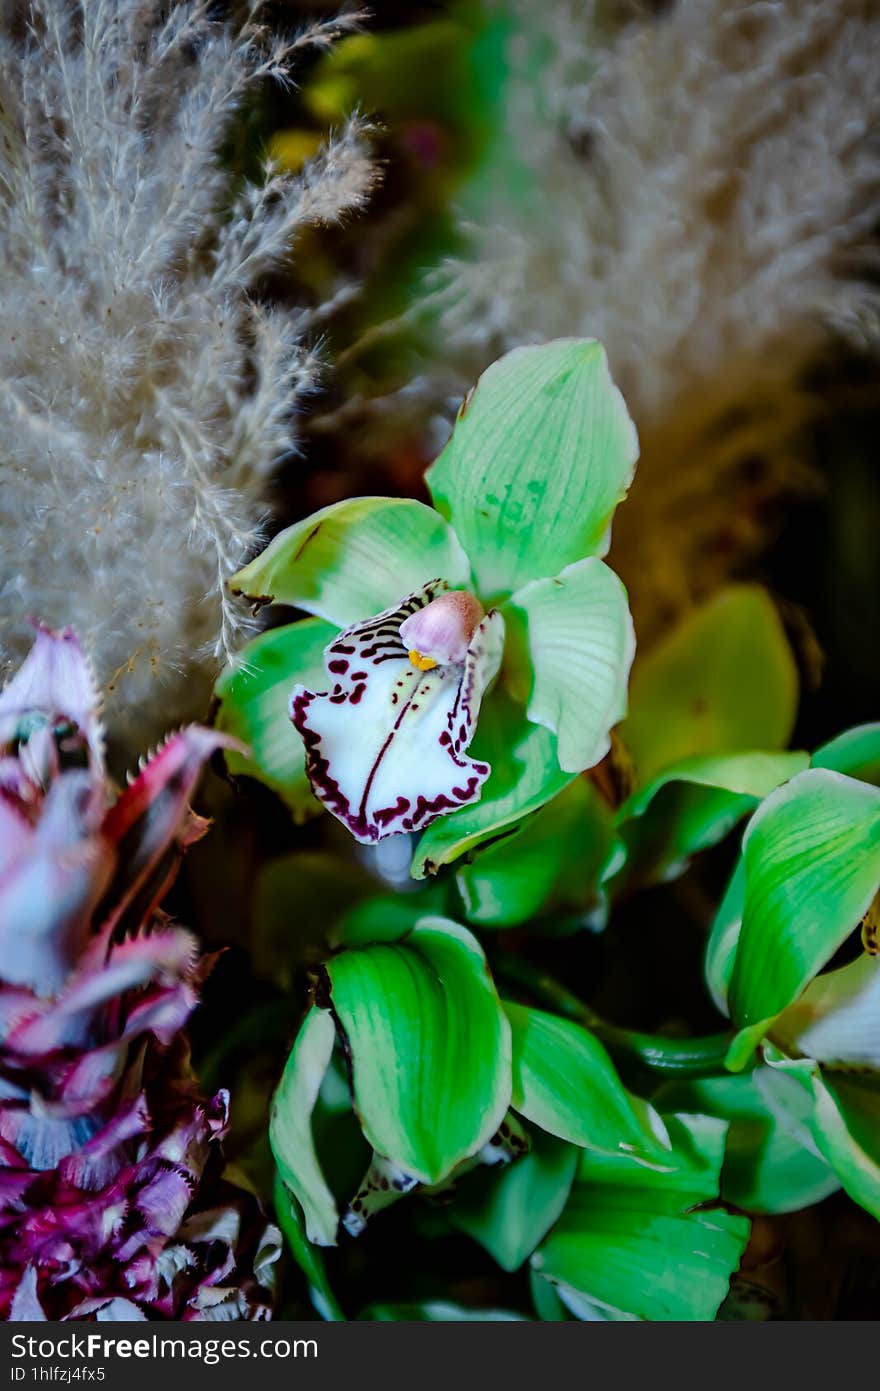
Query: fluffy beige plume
x=703, y=186
x=145, y=396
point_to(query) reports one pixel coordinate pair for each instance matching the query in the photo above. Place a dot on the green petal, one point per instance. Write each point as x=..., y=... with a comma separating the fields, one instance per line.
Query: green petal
x=723, y=681
x=724, y=937
x=693, y=805
x=355, y=559
x=812, y=866
x=525, y=774
x=542, y=452
x=856, y=752
x=771, y=1163
x=429, y=1046
x=254, y=696
x=630, y=1244
x=581, y=642
x=290, y=1126
x=554, y=858
x=309, y=1258
x=837, y=1018
x=565, y=1082
x=509, y=1212
x=845, y=1124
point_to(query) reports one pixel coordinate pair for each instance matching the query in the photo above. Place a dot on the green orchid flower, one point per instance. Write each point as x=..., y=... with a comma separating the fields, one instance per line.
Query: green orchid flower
x=807, y=883
x=488, y=620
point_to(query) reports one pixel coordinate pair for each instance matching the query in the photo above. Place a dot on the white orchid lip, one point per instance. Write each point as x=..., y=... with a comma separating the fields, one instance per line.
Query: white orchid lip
x=386, y=745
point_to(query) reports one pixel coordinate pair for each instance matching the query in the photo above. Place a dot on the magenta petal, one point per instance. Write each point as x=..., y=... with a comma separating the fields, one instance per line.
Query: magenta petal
x=154, y=810
x=57, y=681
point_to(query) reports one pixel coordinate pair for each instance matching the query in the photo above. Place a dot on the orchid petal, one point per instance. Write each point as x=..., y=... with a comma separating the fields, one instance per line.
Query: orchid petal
x=385, y=746
x=525, y=776
x=542, y=452
x=582, y=644
x=355, y=558
x=254, y=696
x=837, y=1018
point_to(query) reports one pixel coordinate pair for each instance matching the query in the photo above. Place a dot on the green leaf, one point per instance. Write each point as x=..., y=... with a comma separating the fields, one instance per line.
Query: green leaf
x=692, y=806
x=309, y=1258
x=565, y=1082
x=581, y=642
x=555, y=858
x=290, y=1126
x=630, y=1242
x=298, y=899
x=387, y=917
x=855, y=752
x=542, y=452
x=525, y=774
x=723, y=681
x=254, y=697
x=812, y=867
x=510, y=1211
x=429, y=1046
x=771, y=1163
x=355, y=559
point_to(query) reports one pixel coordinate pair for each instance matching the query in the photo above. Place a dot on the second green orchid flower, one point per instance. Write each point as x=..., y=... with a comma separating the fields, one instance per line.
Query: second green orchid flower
x=469, y=659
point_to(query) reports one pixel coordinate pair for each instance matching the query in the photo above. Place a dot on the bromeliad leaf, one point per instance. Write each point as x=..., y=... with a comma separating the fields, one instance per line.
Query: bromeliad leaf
x=541, y=454
x=254, y=697
x=581, y=642
x=812, y=867
x=429, y=1046
x=354, y=559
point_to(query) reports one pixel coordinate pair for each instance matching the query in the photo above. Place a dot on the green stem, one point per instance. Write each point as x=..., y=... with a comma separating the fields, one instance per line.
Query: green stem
x=671, y=1057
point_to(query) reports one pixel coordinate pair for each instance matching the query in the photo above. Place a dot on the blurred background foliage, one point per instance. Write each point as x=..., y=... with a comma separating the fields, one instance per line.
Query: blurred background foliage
x=748, y=545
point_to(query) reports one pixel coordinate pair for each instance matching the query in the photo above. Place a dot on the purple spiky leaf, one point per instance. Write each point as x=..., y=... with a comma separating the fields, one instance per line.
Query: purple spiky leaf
x=109, y=1157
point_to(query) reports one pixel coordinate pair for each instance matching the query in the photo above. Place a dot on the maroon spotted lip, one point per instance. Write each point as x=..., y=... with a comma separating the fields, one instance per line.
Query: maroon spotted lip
x=389, y=720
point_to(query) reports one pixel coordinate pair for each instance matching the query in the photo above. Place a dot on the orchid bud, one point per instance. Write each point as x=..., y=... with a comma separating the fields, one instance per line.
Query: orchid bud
x=441, y=632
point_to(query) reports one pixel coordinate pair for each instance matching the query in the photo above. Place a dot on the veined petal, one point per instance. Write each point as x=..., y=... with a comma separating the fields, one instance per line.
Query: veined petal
x=542, y=452
x=354, y=558
x=582, y=644
x=385, y=746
